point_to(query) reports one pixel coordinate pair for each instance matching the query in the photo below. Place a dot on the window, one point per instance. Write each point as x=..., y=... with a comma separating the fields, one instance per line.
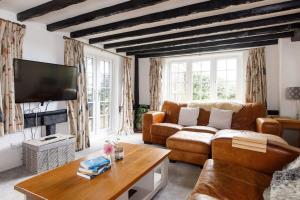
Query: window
x=99, y=92
x=214, y=77
x=178, y=80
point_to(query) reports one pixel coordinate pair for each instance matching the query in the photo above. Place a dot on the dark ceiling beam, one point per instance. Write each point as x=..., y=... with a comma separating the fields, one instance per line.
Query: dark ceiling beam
x=101, y=13
x=212, y=30
x=217, y=43
x=210, y=49
x=211, y=38
x=46, y=8
x=159, y=16
x=279, y=7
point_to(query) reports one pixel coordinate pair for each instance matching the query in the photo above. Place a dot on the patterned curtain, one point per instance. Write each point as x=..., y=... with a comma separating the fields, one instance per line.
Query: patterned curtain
x=11, y=43
x=127, y=100
x=256, y=83
x=155, y=76
x=78, y=109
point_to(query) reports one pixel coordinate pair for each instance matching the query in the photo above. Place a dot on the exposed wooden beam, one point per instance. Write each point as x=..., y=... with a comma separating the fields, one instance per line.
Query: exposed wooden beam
x=273, y=8
x=210, y=49
x=46, y=8
x=101, y=13
x=210, y=38
x=212, y=30
x=216, y=43
x=159, y=16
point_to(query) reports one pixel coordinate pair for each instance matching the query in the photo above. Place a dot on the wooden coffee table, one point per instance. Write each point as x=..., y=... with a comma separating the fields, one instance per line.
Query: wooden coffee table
x=140, y=175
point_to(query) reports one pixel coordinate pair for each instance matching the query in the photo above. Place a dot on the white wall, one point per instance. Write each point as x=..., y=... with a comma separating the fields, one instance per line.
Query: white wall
x=272, y=67
x=39, y=45
x=144, y=93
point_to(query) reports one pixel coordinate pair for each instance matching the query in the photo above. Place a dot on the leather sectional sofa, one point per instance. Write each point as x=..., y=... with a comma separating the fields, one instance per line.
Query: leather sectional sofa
x=160, y=125
x=228, y=172
x=193, y=144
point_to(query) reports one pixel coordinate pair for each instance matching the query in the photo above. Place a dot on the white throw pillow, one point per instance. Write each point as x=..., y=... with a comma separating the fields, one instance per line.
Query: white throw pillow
x=220, y=119
x=188, y=116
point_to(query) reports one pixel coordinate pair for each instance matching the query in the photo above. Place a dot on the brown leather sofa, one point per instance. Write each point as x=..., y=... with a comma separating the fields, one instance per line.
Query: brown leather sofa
x=238, y=174
x=160, y=125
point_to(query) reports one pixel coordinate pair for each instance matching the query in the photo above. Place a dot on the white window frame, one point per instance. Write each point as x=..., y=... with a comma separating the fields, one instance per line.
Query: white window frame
x=189, y=60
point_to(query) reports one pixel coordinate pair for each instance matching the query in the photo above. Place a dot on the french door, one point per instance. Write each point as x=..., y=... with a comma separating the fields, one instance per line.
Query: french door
x=99, y=91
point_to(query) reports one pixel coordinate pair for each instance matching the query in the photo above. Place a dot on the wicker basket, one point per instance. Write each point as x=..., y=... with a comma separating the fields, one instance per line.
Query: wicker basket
x=42, y=155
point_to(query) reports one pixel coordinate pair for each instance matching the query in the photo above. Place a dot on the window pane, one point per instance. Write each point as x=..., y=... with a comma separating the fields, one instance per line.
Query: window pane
x=178, y=81
x=201, y=80
x=221, y=65
x=226, y=79
x=231, y=64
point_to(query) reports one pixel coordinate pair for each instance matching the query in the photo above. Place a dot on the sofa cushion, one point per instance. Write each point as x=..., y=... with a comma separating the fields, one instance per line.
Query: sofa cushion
x=205, y=129
x=165, y=129
x=190, y=142
x=224, y=180
x=220, y=119
x=188, y=116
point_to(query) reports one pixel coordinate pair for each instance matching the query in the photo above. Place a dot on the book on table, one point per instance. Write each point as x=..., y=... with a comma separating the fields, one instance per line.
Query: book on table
x=91, y=168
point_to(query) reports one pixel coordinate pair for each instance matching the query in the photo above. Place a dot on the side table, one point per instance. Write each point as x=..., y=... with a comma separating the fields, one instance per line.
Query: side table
x=289, y=123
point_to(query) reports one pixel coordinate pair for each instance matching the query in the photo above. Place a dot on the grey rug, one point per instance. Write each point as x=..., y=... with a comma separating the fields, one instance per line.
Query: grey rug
x=182, y=176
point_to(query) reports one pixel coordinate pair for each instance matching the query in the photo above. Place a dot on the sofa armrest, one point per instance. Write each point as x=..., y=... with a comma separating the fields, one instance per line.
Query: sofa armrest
x=150, y=118
x=278, y=154
x=269, y=126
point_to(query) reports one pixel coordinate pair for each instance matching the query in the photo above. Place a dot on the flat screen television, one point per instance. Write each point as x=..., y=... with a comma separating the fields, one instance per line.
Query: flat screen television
x=40, y=82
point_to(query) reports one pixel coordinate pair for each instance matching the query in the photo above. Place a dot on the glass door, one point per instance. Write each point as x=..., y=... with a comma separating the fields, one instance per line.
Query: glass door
x=99, y=91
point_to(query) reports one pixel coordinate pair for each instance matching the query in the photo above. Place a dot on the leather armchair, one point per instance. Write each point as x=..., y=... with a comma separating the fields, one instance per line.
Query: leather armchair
x=150, y=118
x=269, y=126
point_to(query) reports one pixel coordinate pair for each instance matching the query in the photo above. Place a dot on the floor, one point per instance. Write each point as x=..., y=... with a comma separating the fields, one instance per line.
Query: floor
x=182, y=177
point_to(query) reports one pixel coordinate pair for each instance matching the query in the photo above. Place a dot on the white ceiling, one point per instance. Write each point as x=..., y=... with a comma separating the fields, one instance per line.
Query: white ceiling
x=90, y=5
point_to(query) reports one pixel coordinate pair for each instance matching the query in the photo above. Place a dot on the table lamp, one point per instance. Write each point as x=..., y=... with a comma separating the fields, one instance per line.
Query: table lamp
x=293, y=93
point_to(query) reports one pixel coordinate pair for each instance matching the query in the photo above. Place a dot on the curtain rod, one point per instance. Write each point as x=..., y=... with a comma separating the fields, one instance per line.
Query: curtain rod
x=101, y=49
x=22, y=25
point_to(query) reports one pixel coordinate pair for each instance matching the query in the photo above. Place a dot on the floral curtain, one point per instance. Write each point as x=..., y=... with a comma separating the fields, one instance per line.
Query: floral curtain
x=127, y=100
x=11, y=43
x=78, y=109
x=155, y=74
x=256, y=83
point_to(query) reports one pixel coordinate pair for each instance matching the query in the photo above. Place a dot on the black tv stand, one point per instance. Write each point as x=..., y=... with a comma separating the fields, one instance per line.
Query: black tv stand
x=48, y=119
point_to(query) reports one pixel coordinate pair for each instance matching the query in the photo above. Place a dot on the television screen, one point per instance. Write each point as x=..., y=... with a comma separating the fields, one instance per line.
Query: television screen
x=40, y=82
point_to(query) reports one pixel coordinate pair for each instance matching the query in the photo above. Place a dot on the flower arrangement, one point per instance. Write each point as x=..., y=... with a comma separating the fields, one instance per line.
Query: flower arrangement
x=110, y=146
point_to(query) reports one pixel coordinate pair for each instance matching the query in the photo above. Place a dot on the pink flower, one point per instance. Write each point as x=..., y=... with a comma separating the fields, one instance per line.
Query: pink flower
x=108, y=149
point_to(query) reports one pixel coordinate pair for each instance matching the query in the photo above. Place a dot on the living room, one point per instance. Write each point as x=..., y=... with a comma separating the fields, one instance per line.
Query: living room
x=192, y=99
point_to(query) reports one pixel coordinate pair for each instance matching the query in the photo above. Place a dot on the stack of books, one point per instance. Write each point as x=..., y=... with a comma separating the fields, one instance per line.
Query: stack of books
x=253, y=142
x=89, y=169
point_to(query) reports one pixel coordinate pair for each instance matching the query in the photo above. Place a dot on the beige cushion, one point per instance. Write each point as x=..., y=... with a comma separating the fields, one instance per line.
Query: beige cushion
x=220, y=119
x=207, y=106
x=190, y=142
x=188, y=116
x=205, y=129
x=165, y=129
